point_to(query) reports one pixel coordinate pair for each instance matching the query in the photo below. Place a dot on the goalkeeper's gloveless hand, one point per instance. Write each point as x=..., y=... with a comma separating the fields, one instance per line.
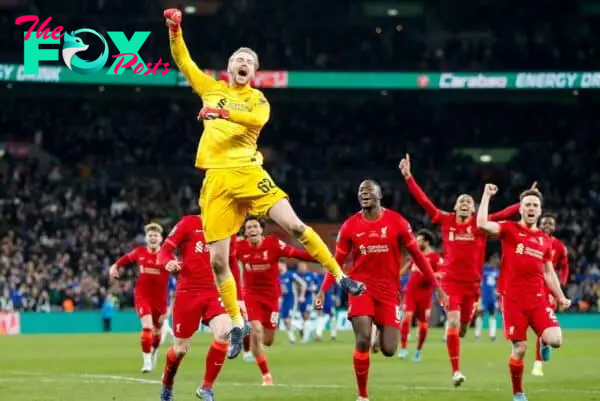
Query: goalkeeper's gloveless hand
x=212, y=113
x=173, y=17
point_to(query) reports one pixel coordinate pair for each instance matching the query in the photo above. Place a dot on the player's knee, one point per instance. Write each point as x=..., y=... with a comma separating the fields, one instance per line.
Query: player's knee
x=219, y=263
x=363, y=342
x=181, y=347
x=389, y=349
x=268, y=341
x=553, y=337
x=519, y=348
x=296, y=228
x=453, y=320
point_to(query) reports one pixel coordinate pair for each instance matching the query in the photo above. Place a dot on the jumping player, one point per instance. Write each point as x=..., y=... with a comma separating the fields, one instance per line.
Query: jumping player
x=419, y=296
x=259, y=255
x=560, y=261
x=288, y=279
x=196, y=301
x=529, y=254
x=151, y=292
x=489, y=300
x=464, y=253
x=235, y=183
x=374, y=236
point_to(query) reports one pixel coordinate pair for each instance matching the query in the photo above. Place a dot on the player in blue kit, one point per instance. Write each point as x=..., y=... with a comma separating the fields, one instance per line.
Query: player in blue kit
x=330, y=300
x=288, y=280
x=305, y=308
x=489, y=299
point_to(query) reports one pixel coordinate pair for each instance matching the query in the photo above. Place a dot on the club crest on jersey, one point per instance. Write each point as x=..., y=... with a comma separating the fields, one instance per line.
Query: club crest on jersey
x=265, y=255
x=384, y=232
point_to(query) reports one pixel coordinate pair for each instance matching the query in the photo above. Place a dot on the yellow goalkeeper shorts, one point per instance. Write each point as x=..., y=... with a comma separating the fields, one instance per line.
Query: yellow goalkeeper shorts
x=228, y=195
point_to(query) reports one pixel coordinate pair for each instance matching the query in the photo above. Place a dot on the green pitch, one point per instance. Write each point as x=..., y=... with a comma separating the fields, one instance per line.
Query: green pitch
x=106, y=368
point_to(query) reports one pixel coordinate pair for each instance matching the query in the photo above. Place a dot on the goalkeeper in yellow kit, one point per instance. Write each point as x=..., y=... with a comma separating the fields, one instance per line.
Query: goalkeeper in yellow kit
x=235, y=184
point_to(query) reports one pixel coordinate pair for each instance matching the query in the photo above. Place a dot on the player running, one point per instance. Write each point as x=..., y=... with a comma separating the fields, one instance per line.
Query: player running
x=196, y=301
x=150, y=294
x=305, y=307
x=560, y=261
x=259, y=255
x=331, y=299
x=287, y=279
x=464, y=253
x=374, y=236
x=419, y=296
x=488, y=302
x=529, y=254
x=235, y=183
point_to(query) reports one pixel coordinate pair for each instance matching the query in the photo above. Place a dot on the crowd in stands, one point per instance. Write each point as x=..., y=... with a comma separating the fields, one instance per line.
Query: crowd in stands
x=538, y=35
x=98, y=171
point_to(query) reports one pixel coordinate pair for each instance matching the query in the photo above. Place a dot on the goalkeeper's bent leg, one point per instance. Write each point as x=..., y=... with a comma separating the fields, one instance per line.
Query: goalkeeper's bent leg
x=318, y=250
x=283, y=214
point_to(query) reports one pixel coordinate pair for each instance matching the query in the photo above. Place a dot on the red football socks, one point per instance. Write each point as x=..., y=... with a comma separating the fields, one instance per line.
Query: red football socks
x=423, y=329
x=146, y=341
x=247, y=343
x=404, y=330
x=538, y=350
x=453, y=346
x=215, y=358
x=262, y=365
x=155, y=341
x=516, y=374
x=171, y=366
x=361, y=371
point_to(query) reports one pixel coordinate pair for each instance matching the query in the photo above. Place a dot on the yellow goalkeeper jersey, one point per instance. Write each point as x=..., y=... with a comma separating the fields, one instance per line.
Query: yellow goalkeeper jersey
x=224, y=143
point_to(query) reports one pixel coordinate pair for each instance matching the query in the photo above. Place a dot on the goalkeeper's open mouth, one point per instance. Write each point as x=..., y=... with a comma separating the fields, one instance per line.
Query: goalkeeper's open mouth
x=243, y=72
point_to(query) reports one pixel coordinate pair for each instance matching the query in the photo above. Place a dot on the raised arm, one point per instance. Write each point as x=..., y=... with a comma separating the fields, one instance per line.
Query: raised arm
x=415, y=190
x=287, y=251
x=199, y=81
x=505, y=213
x=483, y=221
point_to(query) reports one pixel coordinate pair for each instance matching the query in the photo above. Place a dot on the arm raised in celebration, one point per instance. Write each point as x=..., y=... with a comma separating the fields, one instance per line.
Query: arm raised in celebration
x=199, y=81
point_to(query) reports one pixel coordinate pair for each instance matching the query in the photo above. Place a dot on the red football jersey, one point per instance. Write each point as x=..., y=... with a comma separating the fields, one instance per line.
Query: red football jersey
x=463, y=244
x=196, y=273
x=261, y=264
x=153, y=279
x=417, y=280
x=524, y=252
x=376, y=249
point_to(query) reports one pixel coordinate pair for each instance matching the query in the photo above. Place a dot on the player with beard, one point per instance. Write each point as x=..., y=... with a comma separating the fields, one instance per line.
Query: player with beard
x=235, y=183
x=560, y=261
x=260, y=255
x=464, y=254
x=374, y=237
x=528, y=251
x=151, y=292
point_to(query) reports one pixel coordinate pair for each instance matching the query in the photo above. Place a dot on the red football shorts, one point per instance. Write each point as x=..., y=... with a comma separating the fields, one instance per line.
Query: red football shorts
x=419, y=304
x=384, y=313
x=145, y=306
x=262, y=310
x=462, y=297
x=518, y=315
x=191, y=308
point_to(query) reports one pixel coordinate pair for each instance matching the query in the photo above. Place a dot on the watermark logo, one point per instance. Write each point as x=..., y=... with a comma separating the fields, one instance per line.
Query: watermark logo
x=74, y=45
x=128, y=56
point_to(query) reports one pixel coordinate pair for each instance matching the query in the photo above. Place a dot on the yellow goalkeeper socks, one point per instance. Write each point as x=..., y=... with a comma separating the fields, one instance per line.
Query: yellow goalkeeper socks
x=318, y=250
x=228, y=292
